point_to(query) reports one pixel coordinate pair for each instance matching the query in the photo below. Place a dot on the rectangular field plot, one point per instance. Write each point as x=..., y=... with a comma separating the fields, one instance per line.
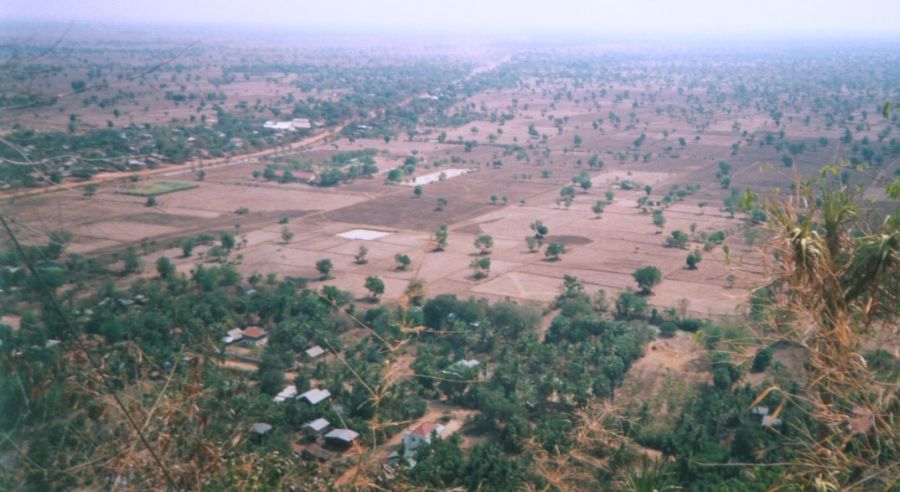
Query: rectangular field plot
x=154, y=188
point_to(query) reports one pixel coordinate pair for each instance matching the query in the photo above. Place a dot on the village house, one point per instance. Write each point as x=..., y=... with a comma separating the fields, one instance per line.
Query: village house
x=315, y=396
x=260, y=428
x=315, y=428
x=418, y=437
x=341, y=438
x=287, y=393
x=458, y=368
x=254, y=335
x=232, y=336
x=314, y=352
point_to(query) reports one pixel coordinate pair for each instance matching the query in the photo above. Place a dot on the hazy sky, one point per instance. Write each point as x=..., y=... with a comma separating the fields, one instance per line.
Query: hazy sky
x=629, y=17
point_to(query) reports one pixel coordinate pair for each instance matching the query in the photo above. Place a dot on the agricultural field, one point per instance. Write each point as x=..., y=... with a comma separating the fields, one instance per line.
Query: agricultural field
x=514, y=243
x=154, y=188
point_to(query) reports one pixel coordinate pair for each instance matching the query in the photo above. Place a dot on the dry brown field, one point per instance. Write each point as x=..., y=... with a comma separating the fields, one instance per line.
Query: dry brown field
x=603, y=251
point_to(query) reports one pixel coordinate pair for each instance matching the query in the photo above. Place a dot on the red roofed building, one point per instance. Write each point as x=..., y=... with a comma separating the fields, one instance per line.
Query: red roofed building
x=426, y=429
x=254, y=334
x=304, y=176
x=419, y=436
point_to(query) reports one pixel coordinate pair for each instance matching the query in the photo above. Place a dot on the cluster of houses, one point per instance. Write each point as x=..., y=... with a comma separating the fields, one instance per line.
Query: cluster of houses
x=334, y=439
x=323, y=441
x=316, y=431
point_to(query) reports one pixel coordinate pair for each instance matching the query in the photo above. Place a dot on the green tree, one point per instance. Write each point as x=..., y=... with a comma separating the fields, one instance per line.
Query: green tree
x=762, y=359
x=598, y=208
x=165, y=267
x=403, y=261
x=131, y=261
x=540, y=230
x=418, y=191
x=187, y=247
x=630, y=305
x=609, y=196
x=490, y=469
x=375, y=286
x=440, y=238
x=678, y=239
x=693, y=258
x=484, y=242
x=554, y=250
x=227, y=240
x=324, y=267
x=647, y=278
x=441, y=203
x=270, y=373
x=481, y=267
x=361, y=253
x=439, y=465
x=658, y=219
x=286, y=235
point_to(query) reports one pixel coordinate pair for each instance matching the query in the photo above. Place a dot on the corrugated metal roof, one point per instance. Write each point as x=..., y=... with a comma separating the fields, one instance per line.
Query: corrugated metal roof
x=345, y=435
x=314, y=396
x=318, y=424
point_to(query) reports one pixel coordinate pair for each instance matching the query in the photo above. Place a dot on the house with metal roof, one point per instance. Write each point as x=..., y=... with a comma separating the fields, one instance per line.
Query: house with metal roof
x=287, y=393
x=315, y=428
x=232, y=336
x=315, y=396
x=260, y=428
x=314, y=352
x=341, y=438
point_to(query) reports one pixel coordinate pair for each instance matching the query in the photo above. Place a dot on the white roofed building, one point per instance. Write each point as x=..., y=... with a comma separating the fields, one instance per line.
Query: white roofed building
x=287, y=393
x=314, y=352
x=341, y=437
x=315, y=396
x=316, y=427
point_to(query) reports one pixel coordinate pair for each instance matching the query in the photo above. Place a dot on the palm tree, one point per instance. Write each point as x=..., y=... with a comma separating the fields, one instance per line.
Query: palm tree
x=836, y=281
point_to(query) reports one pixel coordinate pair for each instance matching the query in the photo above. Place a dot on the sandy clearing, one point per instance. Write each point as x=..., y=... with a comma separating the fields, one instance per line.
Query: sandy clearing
x=363, y=234
x=435, y=177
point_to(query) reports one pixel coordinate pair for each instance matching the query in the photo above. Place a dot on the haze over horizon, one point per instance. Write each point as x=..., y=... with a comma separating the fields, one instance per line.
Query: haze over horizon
x=644, y=18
